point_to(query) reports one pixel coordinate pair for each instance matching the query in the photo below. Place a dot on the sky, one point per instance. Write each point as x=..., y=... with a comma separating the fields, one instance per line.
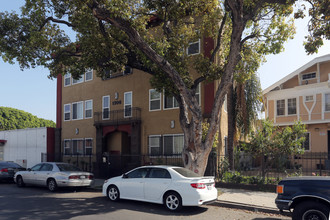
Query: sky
x=31, y=91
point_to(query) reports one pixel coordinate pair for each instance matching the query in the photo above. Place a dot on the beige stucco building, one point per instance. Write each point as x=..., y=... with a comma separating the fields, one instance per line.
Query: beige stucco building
x=120, y=121
x=304, y=95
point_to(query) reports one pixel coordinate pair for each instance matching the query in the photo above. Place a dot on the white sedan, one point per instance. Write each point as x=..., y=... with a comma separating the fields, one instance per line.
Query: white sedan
x=54, y=175
x=169, y=185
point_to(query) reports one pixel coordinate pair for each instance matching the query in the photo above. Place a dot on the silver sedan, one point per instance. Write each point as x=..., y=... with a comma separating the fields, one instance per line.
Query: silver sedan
x=54, y=175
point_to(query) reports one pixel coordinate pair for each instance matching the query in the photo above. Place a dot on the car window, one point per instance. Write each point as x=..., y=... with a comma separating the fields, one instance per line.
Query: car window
x=159, y=173
x=185, y=172
x=67, y=167
x=36, y=167
x=46, y=167
x=139, y=173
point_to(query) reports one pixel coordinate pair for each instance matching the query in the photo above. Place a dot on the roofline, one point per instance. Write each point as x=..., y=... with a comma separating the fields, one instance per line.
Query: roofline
x=296, y=72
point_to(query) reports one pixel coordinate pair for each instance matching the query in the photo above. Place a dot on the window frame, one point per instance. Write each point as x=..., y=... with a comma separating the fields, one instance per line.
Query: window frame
x=83, y=146
x=65, y=112
x=82, y=110
x=277, y=109
x=89, y=147
x=290, y=108
x=78, y=81
x=173, y=143
x=153, y=100
x=87, y=72
x=154, y=146
x=87, y=109
x=65, y=147
x=308, y=99
x=199, y=47
x=309, y=76
x=108, y=107
x=67, y=76
x=326, y=104
x=173, y=102
x=130, y=104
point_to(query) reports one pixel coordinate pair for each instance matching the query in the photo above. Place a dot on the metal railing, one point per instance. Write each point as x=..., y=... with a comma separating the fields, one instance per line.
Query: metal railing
x=118, y=116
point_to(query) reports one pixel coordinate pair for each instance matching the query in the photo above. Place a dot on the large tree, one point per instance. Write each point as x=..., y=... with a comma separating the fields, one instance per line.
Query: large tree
x=151, y=35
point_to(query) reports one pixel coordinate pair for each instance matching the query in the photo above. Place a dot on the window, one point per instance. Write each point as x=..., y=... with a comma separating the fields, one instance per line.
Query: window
x=327, y=102
x=89, y=109
x=154, y=145
x=280, y=107
x=306, y=144
x=170, y=102
x=79, y=80
x=67, y=147
x=194, y=48
x=67, y=112
x=67, y=79
x=78, y=147
x=89, y=75
x=106, y=107
x=309, y=98
x=138, y=173
x=292, y=106
x=127, y=104
x=159, y=173
x=173, y=144
x=308, y=76
x=46, y=167
x=36, y=167
x=77, y=111
x=88, y=146
x=198, y=94
x=154, y=100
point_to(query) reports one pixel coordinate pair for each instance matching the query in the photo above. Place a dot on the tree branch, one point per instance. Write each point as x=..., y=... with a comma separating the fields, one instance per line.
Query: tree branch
x=56, y=21
x=216, y=49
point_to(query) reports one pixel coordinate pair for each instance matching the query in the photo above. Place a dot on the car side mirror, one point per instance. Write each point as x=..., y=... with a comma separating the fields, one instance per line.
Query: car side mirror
x=28, y=169
x=125, y=176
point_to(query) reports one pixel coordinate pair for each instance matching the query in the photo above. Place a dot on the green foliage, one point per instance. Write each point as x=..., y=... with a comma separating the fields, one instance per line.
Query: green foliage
x=238, y=178
x=11, y=119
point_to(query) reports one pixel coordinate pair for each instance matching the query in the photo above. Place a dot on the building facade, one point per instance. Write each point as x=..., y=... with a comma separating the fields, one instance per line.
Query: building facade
x=304, y=95
x=118, y=122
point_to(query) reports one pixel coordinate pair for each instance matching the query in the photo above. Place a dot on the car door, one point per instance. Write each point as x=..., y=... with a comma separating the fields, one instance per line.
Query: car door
x=29, y=176
x=132, y=184
x=157, y=182
x=42, y=175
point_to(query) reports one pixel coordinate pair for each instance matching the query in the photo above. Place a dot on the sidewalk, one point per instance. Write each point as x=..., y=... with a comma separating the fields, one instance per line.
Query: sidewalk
x=257, y=201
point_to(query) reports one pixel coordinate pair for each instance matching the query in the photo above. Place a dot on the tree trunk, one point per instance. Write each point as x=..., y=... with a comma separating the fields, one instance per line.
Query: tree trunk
x=231, y=126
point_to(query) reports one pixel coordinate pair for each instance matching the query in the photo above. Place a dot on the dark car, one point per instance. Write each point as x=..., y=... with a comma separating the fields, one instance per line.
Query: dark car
x=308, y=197
x=8, y=170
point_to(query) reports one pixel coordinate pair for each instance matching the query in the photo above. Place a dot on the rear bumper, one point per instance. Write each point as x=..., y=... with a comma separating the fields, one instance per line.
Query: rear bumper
x=75, y=183
x=283, y=204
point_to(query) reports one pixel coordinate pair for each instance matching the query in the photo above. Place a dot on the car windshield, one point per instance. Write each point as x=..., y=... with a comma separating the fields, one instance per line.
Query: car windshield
x=67, y=167
x=10, y=164
x=185, y=172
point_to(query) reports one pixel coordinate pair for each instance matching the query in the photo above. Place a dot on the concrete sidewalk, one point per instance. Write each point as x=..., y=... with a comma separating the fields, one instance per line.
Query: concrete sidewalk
x=257, y=201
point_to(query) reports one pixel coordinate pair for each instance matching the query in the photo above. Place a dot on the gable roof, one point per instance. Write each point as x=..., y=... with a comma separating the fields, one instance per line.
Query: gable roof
x=296, y=72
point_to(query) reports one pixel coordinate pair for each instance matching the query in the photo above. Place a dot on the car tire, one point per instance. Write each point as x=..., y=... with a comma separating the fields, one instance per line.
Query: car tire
x=310, y=210
x=19, y=181
x=113, y=193
x=52, y=185
x=172, y=201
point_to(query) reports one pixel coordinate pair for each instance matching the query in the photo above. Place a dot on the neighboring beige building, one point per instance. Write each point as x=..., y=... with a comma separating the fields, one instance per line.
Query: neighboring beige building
x=304, y=95
x=120, y=121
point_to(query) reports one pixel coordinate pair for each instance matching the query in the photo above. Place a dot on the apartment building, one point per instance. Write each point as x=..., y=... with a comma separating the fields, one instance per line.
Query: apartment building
x=304, y=95
x=119, y=121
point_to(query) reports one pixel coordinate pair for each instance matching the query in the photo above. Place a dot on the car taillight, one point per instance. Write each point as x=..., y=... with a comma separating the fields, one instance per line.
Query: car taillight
x=4, y=170
x=90, y=177
x=280, y=189
x=198, y=185
x=74, y=177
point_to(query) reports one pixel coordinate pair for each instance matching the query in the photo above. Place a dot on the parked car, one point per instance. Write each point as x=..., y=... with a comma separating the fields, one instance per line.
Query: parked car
x=169, y=185
x=8, y=170
x=54, y=175
x=308, y=197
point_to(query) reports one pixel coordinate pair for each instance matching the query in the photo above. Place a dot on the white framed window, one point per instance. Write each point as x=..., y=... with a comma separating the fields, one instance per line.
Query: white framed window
x=154, y=100
x=105, y=107
x=76, y=81
x=327, y=102
x=309, y=98
x=89, y=109
x=173, y=144
x=77, y=146
x=77, y=111
x=128, y=104
x=308, y=76
x=194, y=48
x=67, y=79
x=306, y=143
x=89, y=75
x=67, y=147
x=170, y=102
x=88, y=146
x=280, y=107
x=198, y=94
x=154, y=145
x=292, y=106
x=67, y=112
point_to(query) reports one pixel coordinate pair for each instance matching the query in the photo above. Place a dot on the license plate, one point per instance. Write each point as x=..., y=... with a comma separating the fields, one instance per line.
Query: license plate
x=82, y=177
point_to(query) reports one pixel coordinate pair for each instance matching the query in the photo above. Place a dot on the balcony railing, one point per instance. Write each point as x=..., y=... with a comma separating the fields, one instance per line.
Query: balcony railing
x=118, y=116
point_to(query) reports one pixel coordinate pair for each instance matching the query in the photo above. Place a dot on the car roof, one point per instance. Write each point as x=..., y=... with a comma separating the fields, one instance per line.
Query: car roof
x=160, y=166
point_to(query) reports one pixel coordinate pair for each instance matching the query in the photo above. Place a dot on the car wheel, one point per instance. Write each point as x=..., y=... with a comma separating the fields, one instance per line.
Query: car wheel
x=310, y=211
x=51, y=184
x=113, y=193
x=19, y=181
x=172, y=201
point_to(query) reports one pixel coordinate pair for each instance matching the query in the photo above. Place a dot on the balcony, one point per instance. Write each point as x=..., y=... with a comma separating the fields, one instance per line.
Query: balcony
x=117, y=117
